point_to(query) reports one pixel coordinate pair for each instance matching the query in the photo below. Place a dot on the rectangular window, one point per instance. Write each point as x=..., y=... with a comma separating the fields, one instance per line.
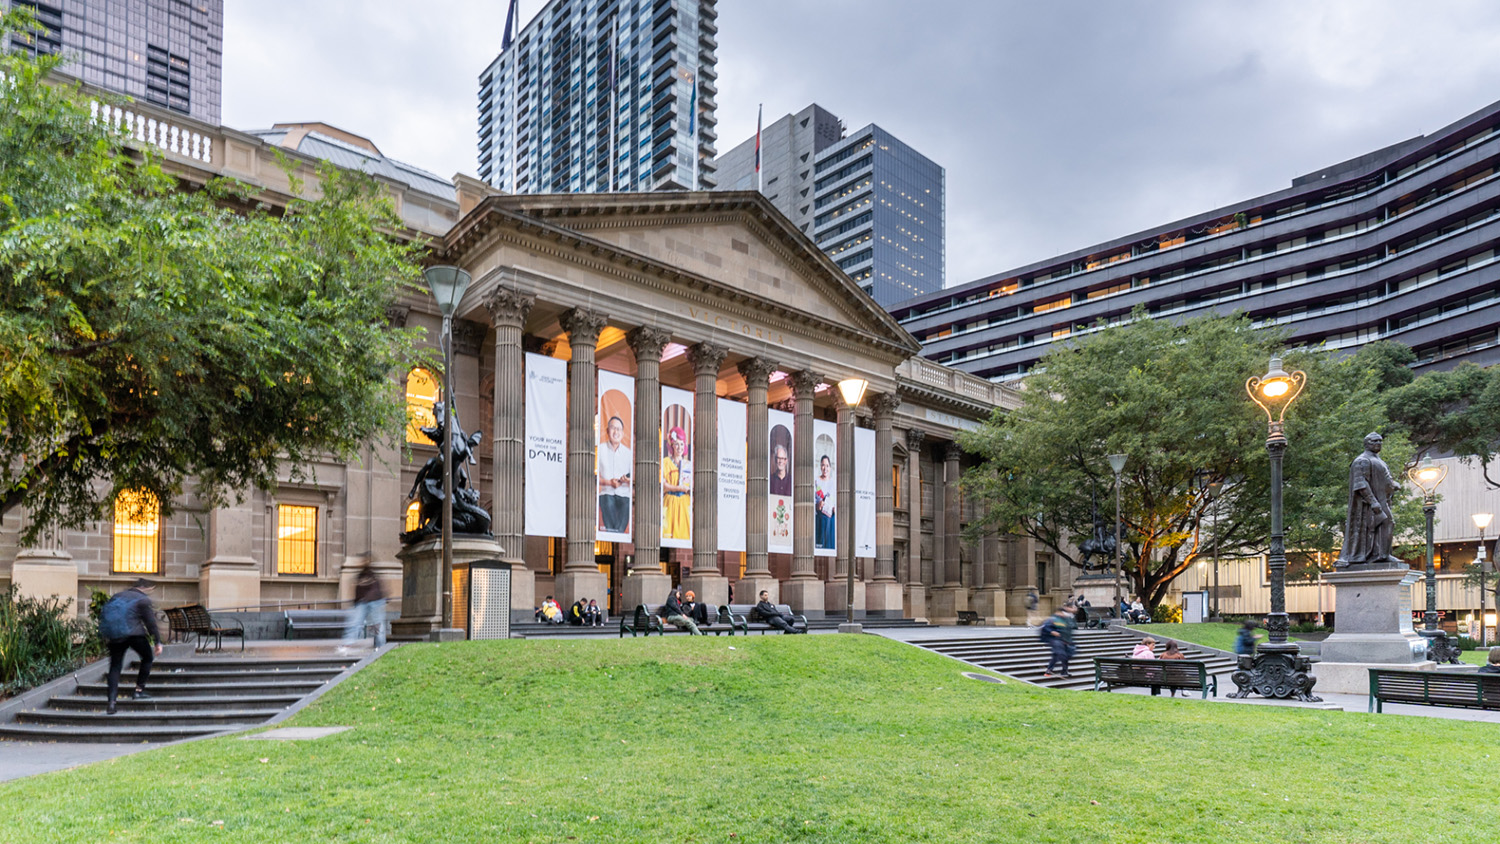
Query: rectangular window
x=296, y=539
x=137, y=533
x=896, y=486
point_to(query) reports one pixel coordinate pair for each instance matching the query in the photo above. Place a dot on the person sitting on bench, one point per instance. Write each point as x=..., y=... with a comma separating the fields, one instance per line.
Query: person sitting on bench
x=672, y=612
x=694, y=609
x=772, y=616
x=1492, y=666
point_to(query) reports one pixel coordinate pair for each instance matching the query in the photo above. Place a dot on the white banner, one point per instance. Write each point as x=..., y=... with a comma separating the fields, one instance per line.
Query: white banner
x=779, y=508
x=825, y=471
x=733, y=421
x=864, y=492
x=676, y=468
x=615, y=428
x=546, y=446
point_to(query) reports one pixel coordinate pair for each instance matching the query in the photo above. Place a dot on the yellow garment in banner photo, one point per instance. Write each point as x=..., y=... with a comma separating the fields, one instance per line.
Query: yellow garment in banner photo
x=677, y=507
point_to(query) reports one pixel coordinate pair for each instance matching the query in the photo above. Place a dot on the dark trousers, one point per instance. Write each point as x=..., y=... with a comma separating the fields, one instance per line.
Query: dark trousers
x=781, y=624
x=117, y=648
x=1062, y=652
x=614, y=512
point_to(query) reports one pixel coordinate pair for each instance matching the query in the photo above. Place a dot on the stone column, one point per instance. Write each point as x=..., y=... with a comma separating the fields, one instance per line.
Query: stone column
x=837, y=590
x=45, y=568
x=952, y=596
x=803, y=591
x=915, y=590
x=580, y=576
x=644, y=582
x=230, y=577
x=508, y=310
x=883, y=594
x=990, y=596
x=757, y=374
x=710, y=585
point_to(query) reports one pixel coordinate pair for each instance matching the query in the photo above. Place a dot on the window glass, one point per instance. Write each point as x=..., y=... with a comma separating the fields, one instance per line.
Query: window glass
x=136, y=533
x=421, y=397
x=296, y=539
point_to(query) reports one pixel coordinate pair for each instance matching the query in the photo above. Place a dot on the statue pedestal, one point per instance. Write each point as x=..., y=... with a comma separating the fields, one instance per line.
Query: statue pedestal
x=1372, y=628
x=422, y=585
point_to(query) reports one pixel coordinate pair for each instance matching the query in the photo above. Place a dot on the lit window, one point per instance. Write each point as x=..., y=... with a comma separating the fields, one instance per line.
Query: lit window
x=413, y=516
x=421, y=397
x=296, y=539
x=137, y=529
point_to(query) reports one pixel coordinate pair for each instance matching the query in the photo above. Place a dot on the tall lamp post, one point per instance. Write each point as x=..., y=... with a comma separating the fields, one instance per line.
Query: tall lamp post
x=1482, y=521
x=1427, y=475
x=1277, y=669
x=1214, y=489
x=448, y=285
x=853, y=391
x=1117, y=463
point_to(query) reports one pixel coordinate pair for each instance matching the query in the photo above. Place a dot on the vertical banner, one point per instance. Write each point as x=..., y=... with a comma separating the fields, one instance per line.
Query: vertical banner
x=779, y=486
x=825, y=471
x=615, y=428
x=734, y=419
x=546, y=446
x=676, y=468
x=864, y=492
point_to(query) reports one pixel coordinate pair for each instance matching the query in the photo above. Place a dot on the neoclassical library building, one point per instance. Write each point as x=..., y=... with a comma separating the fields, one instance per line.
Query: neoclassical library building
x=655, y=379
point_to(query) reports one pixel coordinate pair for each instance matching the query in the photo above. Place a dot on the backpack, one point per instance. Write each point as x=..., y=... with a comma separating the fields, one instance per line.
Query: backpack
x=1044, y=632
x=116, y=620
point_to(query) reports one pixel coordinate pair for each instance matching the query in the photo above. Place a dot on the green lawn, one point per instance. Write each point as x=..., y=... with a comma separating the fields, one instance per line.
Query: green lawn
x=772, y=739
x=1210, y=634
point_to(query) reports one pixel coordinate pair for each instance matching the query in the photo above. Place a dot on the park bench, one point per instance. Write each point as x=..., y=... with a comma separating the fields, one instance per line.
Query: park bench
x=177, y=626
x=1433, y=688
x=640, y=623
x=196, y=621
x=968, y=617
x=1156, y=674
x=747, y=618
x=1099, y=617
x=647, y=620
x=330, y=623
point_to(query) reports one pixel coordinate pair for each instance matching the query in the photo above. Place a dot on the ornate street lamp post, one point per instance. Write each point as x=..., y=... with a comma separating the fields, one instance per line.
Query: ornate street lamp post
x=1214, y=489
x=1482, y=521
x=1117, y=463
x=853, y=391
x=448, y=285
x=1277, y=669
x=1427, y=476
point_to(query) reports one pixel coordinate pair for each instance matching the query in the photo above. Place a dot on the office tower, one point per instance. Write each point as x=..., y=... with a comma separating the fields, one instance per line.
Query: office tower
x=1398, y=244
x=165, y=52
x=557, y=115
x=870, y=202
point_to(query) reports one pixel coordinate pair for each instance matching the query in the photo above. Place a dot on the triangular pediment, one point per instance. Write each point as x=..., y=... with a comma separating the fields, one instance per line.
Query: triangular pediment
x=735, y=239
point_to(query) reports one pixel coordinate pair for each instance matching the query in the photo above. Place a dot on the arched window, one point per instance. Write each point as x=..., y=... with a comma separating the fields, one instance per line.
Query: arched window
x=137, y=533
x=421, y=397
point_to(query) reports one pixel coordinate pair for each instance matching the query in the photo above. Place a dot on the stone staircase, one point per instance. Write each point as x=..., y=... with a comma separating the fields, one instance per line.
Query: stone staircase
x=190, y=697
x=1024, y=656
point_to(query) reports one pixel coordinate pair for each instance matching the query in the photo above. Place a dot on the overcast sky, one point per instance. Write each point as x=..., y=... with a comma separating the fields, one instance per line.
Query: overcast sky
x=1061, y=124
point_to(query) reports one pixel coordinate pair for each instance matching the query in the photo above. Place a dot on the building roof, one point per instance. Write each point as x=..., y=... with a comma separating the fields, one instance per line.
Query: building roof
x=352, y=152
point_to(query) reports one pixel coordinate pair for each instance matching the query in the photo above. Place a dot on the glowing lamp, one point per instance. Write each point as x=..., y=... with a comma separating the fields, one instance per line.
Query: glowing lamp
x=853, y=390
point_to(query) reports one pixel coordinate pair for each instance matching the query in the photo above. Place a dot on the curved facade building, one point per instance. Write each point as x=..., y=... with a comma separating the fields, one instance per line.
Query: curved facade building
x=1395, y=245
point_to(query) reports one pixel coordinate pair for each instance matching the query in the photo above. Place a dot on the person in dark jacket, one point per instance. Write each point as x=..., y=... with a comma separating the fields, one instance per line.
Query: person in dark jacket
x=368, y=609
x=772, y=616
x=577, y=612
x=672, y=612
x=1057, y=633
x=1492, y=663
x=1244, y=643
x=694, y=608
x=128, y=622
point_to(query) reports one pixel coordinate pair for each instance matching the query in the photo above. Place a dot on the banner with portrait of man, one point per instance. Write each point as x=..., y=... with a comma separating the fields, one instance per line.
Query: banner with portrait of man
x=615, y=459
x=779, y=483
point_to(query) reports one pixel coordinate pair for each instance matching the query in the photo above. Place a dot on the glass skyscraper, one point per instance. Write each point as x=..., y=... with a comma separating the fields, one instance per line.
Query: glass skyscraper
x=165, y=52
x=557, y=116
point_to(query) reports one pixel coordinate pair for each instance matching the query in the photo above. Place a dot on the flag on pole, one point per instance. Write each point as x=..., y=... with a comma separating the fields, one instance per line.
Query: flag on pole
x=757, y=145
x=510, y=26
x=693, y=130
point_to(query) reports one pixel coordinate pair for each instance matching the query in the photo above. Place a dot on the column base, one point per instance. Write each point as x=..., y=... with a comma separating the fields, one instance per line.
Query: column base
x=523, y=599
x=915, y=599
x=946, y=602
x=572, y=585
x=229, y=582
x=647, y=587
x=711, y=588
x=835, y=597
x=883, y=599
x=805, y=597
x=1015, y=607
x=43, y=573
x=747, y=591
x=991, y=606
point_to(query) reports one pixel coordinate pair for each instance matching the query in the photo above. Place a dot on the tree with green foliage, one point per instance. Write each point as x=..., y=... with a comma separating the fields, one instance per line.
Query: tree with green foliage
x=1171, y=397
x=151, y=333
x=1455, y=411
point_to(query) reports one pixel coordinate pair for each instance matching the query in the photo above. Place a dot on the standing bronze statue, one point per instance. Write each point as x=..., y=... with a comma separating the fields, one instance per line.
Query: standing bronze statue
x=468, y=516
x=1369, y=528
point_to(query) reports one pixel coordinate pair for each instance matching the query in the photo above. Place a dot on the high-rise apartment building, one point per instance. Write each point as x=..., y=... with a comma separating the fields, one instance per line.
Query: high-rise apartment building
x=556, y=115
x=167, y=52
x=872, y=203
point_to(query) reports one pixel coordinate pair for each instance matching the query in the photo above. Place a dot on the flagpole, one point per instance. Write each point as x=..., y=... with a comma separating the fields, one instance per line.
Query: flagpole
x=693, y=127
x=511, y=23
x=758, y=176
x=614, y=36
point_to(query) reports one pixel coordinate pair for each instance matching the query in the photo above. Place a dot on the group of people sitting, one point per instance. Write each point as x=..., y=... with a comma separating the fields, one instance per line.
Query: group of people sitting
x=585, y=612
x=683, y=611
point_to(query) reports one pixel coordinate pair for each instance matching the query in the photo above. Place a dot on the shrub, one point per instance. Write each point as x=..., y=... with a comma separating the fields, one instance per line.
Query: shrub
x=1166, y=614
x=39, y=641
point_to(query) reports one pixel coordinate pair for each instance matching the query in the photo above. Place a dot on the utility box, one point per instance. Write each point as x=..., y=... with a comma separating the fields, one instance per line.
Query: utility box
x=481, y=599
x=1194, y=607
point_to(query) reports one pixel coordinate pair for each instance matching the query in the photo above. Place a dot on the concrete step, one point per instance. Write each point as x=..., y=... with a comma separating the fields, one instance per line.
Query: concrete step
x=249, y=664
x=194, y=675
x=147, y=718
x=96, y=703
x=111, y=733
x=175, y=689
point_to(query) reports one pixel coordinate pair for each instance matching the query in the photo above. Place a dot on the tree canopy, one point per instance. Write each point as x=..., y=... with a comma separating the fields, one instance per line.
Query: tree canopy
x=1171, y=397
x=150, y=334
x=1455, y=411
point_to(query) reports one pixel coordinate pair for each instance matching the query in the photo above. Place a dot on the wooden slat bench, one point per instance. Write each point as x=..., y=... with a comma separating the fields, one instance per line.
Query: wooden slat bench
x=640, y=623
x=1155, y=674
x=330, y=623
x=747, y=618
x=197, y=622
x=968, y=617
x=1433, y=688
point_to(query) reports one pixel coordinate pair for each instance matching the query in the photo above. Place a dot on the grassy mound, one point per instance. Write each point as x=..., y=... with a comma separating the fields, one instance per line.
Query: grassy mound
x=771, y=739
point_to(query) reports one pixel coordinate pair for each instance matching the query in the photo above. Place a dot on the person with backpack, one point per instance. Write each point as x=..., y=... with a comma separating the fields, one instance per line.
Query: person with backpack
x=1057, y=634
x=128, y=622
